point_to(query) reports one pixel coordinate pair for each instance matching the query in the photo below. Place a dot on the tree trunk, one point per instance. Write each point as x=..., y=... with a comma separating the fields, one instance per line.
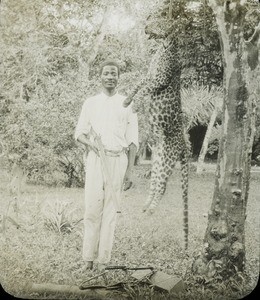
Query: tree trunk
x=72, y=291
x=224, y=241
x=2, y=152
x=205, y=144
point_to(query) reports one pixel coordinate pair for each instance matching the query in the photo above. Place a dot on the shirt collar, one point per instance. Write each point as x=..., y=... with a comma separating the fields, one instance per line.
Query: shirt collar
x=106, y=96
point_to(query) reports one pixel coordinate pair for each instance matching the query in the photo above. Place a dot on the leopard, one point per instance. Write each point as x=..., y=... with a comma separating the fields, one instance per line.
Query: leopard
x=166, y=123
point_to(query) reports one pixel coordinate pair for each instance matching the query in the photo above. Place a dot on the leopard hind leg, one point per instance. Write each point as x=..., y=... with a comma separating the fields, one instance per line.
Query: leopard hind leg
x=166, y=163
x=153, y=179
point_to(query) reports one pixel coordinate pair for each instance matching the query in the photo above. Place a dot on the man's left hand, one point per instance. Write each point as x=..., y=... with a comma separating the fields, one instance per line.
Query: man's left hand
x=127, y=185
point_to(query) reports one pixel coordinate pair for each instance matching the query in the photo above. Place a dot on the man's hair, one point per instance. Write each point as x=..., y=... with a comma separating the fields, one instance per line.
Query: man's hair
x=109, y=63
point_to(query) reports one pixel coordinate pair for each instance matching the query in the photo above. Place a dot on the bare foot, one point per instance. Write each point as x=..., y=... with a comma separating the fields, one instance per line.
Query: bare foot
x=101, y=267
x=89, y=265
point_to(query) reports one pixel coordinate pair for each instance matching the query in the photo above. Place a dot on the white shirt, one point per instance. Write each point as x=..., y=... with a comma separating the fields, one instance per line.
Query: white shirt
x=116, y=125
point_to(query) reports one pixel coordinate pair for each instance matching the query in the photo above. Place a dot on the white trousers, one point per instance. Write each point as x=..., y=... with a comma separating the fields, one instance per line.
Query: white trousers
x=100, y=210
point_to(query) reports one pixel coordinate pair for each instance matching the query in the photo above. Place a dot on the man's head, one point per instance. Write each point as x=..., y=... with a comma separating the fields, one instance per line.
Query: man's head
x=110, y=63
x=109, y=73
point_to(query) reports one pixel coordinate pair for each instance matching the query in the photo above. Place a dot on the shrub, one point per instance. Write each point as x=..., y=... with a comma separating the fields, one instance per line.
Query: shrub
x=59, y=216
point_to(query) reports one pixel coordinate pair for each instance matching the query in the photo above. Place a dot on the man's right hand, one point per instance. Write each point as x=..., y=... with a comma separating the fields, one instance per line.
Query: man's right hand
x=90, y=145
x=93, y=147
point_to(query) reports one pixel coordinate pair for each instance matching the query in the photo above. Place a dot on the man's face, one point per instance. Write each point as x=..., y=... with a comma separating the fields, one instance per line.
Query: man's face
x=109, y=77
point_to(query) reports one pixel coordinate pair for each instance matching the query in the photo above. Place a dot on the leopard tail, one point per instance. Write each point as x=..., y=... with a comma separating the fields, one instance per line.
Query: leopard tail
x=185, y=182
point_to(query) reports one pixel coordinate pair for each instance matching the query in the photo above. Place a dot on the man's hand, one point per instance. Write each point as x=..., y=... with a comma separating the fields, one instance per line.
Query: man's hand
x=127, y=185
x=85, y=140
x=131, y=159
x=93, y=147
x=127, y=181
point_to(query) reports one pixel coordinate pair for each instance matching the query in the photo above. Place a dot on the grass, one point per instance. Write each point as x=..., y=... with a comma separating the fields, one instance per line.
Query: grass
x=46, y=248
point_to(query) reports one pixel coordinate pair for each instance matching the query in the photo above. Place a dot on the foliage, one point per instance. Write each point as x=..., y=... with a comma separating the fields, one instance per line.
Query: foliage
x=199, y=102
x=51, y=51
x=44, y=78
x=193, y=24
x=59, y=216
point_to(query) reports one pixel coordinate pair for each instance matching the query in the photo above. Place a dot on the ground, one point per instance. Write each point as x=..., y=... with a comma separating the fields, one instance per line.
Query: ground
x=46, y=247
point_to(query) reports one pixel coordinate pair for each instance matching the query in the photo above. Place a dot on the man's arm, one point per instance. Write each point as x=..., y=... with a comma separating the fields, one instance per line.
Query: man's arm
x=132, y=140
x=85, y=140
x=131, y=156
x=131, y=160
x=83, y=128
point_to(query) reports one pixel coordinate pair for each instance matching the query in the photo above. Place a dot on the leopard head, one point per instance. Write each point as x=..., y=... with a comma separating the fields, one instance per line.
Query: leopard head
x=168, y=19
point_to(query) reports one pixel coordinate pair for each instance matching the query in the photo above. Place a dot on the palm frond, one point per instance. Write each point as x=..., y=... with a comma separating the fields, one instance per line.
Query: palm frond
x=199, y=102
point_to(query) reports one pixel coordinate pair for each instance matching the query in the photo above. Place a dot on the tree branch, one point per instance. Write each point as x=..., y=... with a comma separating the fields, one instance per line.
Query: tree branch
x=255, y=36
x=252, y=49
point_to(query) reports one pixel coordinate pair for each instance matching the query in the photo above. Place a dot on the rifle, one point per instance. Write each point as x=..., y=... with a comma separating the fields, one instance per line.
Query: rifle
x=125, y=268
x=107, y=269
x=101, y=149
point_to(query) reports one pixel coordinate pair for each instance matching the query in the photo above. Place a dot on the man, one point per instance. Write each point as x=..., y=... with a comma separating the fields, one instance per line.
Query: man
x=104, y=116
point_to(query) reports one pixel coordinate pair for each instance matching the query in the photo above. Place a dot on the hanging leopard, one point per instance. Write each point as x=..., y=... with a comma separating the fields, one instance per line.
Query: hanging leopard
x=162, y=83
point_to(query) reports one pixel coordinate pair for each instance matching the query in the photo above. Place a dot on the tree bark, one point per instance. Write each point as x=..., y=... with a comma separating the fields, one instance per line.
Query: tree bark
x=71, y=291
x=224, y=241
x=205, y=144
